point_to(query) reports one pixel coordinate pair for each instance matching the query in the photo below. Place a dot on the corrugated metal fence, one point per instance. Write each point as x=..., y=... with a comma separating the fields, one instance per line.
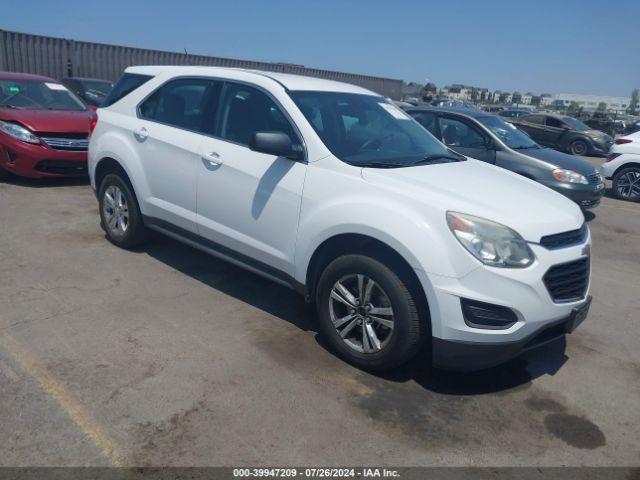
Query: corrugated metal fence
x=61, y=57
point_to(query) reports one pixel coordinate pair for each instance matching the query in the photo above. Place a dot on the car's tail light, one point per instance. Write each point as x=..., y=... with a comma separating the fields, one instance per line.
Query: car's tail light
x=92, y=124
x=622, y=141
x=613, y=156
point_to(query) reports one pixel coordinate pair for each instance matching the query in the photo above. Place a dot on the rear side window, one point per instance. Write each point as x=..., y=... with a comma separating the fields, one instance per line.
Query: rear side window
x=123, y=87
x=246, y=110
x=427, y=120
x=536, y=119
x=189, y=103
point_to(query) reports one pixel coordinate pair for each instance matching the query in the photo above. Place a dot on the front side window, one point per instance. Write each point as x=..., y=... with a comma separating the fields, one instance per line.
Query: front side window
x=554, y=123
x=507, y=133
x=37, y=95
x=367, y=130
x=247, y=110
x=188, y=103
x=576, y=124
x=456, y=133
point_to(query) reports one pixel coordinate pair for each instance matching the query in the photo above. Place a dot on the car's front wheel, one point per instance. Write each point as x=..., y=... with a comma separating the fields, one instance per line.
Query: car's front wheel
x=3, y=174
x=120, y=215
x=579, y=147
x=368, y=313
x=626, y=184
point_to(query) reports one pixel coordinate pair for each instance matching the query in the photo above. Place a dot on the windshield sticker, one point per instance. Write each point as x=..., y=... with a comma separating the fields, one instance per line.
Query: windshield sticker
x=394, y=111
x=55, y=86
x=14, y=89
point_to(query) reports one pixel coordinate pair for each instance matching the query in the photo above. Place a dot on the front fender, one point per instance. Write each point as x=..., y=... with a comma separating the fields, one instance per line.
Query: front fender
x=426, y=247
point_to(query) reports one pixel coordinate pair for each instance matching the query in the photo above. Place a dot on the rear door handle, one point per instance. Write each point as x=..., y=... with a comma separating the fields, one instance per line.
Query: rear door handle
x=141, y=134
x=212, y=159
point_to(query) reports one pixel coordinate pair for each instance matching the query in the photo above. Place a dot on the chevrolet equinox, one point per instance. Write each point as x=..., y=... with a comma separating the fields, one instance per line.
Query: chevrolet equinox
x=332, y=190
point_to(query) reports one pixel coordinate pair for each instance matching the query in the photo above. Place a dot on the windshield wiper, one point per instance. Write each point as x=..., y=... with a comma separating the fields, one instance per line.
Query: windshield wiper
x=381, y=165
x=8, y=105
x=526, y=147
x=438, y=158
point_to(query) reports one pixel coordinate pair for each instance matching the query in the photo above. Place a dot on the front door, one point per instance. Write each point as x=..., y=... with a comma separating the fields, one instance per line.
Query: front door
x=249, y=202
x=462, y=137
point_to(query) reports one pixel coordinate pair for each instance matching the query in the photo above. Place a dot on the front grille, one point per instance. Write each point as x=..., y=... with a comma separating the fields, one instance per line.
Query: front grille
x=70, y=142
x=565, y=239
x=568, y=282
x=594, y=178
x=62, y=167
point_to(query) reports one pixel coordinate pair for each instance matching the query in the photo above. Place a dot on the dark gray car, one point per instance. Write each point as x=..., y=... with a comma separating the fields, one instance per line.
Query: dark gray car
x=489, y=138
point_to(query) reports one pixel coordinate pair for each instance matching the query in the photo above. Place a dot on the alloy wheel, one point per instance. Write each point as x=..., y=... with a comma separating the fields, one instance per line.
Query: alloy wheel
x=115, y=210
x=628, y=185
x=361, y=313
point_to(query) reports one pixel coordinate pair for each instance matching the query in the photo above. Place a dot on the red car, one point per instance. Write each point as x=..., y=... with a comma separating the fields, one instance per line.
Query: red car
x=44, y=128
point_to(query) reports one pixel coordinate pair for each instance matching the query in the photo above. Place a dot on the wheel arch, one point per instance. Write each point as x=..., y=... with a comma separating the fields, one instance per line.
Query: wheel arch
x=356, y=243
x=625, y=166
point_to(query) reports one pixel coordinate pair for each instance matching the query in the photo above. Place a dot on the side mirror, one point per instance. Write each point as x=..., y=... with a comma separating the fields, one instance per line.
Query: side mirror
x=275, y=143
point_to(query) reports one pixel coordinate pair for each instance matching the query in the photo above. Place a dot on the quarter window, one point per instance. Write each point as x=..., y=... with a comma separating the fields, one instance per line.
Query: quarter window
x=188, y=103
x=246, y=110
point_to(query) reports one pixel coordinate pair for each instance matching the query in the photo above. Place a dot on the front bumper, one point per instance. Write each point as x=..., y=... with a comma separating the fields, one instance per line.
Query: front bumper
x=601, y=147
x=38, y=161
x=469, y=356
x=521, y=290
x=586, y=196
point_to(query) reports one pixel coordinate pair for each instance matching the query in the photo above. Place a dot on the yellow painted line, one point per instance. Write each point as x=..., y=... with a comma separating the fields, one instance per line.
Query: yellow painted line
x=66, y=399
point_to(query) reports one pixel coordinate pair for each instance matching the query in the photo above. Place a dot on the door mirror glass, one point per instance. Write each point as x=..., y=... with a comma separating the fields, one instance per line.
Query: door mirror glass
x=275, y=143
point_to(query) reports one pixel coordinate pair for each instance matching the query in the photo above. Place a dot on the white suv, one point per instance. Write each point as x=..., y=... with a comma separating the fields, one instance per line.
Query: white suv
x=332, y=190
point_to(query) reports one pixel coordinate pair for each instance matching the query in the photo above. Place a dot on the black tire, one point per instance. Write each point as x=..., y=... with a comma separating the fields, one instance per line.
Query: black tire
x=409, y=329
x=135, y=233
x=4, y=174
x=621, y=179
x=579, y=147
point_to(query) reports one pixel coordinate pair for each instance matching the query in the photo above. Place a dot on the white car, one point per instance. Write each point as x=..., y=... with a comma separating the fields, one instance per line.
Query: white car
x=334, y=191
x=623, y=167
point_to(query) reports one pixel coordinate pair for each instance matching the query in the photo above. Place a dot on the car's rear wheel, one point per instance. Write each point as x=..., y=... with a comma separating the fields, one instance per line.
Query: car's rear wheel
x=120, y=215
x=626, y=184
x=368, y=313
x=579, y=147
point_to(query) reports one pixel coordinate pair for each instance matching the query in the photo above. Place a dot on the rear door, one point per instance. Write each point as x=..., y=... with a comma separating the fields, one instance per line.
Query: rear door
x=168, y=135
x=462, y=136
x=554, y=129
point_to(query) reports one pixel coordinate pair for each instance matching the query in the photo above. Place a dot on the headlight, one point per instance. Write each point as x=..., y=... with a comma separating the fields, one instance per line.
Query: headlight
x=18, y=132
x=569, y=176
x=491, y=243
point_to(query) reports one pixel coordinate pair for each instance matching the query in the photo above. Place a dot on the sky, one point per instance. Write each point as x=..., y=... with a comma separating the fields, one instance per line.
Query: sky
x=562, y=46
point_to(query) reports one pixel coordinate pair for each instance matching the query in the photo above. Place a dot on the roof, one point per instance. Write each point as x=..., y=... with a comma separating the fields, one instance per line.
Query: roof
x=469, y=112
x=287, y=80
x=25, y=76
x=88, y=78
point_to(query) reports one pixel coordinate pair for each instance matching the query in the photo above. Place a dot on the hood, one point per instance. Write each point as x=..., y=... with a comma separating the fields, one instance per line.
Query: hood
x=49, y=121
x=560, y=160
x=486, y=191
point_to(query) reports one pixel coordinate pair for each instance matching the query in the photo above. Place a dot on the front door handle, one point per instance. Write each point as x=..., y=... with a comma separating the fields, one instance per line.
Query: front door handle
x=212, y=159
x=141, y=134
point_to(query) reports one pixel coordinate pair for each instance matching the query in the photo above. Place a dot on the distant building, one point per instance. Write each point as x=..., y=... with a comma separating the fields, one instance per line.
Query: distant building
x=591, y=102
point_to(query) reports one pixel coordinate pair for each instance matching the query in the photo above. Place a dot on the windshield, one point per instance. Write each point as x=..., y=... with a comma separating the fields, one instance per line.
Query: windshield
x=507, y=133
x=576, y=124
x=37, y=95
x=366, y=130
